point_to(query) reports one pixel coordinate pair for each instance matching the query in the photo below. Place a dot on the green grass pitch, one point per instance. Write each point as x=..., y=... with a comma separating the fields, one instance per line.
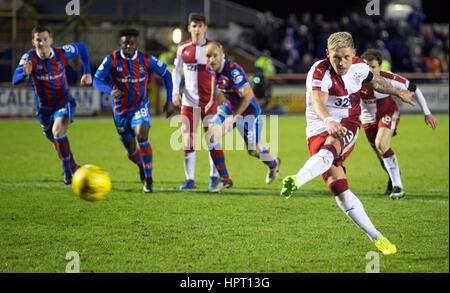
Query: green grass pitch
x=246, y=229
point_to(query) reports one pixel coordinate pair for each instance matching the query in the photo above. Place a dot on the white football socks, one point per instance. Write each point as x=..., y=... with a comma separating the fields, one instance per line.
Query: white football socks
x=391, y=165
x=189, y=165
x=213, y=170
x=353, y=208
x=316, y=165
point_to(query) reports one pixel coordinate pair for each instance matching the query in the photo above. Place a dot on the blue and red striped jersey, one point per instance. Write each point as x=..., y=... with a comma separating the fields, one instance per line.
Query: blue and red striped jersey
x=131, y=76
x=229, y=81
x=48, y=76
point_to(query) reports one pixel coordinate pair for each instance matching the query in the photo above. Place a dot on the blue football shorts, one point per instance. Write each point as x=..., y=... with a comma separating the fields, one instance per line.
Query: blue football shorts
x=47, y=119
x=249, y=127
x=125, y=124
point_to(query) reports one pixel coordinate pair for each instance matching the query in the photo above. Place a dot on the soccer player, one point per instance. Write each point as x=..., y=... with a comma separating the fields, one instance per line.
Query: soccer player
x=128, y=70
x=332, y=116
x=239, y=109
x=380, y=117
x=45, y=67
x=190, y=56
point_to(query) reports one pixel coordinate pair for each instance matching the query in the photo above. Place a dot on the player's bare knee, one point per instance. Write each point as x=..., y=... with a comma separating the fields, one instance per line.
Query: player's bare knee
x=58, y=132
x=381, y=146
x=142, y=138
x=212, y=135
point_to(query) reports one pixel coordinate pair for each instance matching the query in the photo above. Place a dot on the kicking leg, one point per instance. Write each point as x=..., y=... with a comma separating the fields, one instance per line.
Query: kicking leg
x=354, y=209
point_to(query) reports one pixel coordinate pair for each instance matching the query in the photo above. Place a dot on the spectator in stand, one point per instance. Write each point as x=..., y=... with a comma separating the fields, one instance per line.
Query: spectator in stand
x=261, y=33
x=292, y=62
x=306, y=63
x=318, y=32
x=291, y=26
x=344, y=24
x=387, y=43
x=288, y=46
x=306, y=45
x=415, y=19
x=385, y=55
x=306, y=20
x=401, y=61
x=402, y=46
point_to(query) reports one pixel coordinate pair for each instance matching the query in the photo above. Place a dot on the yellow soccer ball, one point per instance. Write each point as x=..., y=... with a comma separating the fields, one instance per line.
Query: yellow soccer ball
x=91, y=183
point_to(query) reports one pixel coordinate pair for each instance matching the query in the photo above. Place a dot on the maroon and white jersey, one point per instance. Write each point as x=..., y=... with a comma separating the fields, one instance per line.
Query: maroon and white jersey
x=197, y=80
x=374, y=104
x=343, y=93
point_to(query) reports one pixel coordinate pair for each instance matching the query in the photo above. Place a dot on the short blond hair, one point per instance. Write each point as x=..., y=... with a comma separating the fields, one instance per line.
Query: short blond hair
x=340, y=40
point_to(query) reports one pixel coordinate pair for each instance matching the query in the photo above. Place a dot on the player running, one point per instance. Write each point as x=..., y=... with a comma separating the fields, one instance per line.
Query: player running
x=332, y=116
x=45, y=67
x=128, y=70
x=380, y=117
x=190, y=56
x=240, y=108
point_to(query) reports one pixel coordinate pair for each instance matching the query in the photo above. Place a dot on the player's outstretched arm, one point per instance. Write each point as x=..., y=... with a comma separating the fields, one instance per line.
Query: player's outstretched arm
x=379, y=84
x=246, y=98
x=102, y=86
x=82, y=51
x=86, y=79
x=23, y=70
x=429, y=118
x=213, y=95
x=318, y=103
x=169, y=106
x=432, y=121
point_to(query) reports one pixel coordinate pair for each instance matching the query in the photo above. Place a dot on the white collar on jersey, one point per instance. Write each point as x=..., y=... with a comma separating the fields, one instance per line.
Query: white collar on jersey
x=124, y=57
x=52, y=53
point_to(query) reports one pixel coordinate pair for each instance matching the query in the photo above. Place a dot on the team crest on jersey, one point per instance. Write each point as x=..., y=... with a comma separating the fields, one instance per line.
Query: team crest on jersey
x=69, y=48
x=60, y=66
x=235, y=73
x=39, y=67
x=119, y=69
x=141, y=68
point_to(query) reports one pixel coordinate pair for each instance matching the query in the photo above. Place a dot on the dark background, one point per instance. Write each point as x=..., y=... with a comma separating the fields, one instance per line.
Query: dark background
x=435, y=11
